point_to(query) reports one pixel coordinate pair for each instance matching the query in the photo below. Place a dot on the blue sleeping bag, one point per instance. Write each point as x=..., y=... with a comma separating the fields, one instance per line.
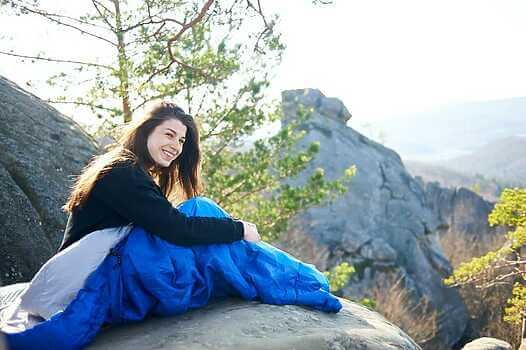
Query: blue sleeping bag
x=145, y=275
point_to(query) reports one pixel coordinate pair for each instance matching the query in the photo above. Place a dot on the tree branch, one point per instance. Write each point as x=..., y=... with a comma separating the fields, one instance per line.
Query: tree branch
x=162, y=21
x=188, y=25
x=246, y=193
x=79, y=103
x=223, y=117
x=96, y=4
x=50, y=18
x=57, y=60
x=151, y=98
x=146, y=39
x=201, y=103
x=266, y=31
x=167, y=68
x=511, y=263
x=185, y=27
x=499, y=280
x=75, y=20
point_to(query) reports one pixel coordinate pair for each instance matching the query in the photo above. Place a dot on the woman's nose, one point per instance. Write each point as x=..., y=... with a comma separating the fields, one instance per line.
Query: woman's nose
x=176, y=147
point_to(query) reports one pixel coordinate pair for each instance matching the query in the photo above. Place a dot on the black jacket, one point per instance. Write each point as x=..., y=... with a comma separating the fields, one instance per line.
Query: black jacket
x=127, y=194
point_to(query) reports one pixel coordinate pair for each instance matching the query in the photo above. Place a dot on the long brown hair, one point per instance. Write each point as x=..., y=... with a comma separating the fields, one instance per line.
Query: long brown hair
x=181, y=177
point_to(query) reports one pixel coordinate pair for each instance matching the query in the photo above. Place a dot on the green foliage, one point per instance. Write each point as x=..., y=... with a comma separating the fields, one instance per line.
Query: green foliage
x=511, y=209
x=516, y=305
x=368, y=302
x=517, y=238
x=468, y=271
x=495, y=266
x=339, y=276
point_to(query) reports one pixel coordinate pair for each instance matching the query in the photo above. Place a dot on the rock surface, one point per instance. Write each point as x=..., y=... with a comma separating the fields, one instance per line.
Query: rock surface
x=382, y=225
x=489, y=189
x=39, y=149
x=487, y=344
x=460, y=210
x=244, y=325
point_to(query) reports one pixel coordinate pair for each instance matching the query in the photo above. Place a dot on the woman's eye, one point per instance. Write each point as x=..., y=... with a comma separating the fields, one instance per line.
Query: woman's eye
x=181, y=142
x=169, y=135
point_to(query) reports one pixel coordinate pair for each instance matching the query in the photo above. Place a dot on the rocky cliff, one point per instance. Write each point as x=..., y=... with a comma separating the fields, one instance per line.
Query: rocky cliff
x=489, y=189
x=39, y=149
x=462, y=211
x=382, y=225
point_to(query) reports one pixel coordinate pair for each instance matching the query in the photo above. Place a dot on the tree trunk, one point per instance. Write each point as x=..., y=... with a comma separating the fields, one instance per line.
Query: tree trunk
x=123, y=65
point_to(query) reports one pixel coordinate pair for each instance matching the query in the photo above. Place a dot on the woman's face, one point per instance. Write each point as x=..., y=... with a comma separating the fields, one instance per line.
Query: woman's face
x=166, y=142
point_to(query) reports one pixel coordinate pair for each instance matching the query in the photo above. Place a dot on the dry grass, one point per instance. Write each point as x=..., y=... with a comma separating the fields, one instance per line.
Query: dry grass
x=486, y=309
x=416, y=319
x=459, y=248
x=485, y=306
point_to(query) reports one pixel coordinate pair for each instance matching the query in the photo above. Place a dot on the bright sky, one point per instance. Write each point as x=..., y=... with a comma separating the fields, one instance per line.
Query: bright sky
x=390, y=57
x=380, y=57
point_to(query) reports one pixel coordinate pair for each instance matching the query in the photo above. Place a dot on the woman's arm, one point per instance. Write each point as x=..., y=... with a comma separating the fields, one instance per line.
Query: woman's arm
x=131, y=192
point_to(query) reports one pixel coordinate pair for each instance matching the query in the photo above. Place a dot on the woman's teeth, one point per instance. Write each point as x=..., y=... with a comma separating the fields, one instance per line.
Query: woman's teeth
x=168, y=154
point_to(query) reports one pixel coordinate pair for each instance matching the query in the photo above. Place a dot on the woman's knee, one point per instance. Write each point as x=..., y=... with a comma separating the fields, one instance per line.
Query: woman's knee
x=200, y=200
x=202, y=206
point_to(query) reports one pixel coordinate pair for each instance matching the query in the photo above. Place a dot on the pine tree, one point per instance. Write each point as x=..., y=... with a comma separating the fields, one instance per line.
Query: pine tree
x=506, y=263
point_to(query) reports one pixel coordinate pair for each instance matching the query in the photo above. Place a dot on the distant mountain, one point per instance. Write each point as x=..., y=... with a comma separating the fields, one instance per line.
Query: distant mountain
x=453, y=130
x=503, y=160
x=487, y=170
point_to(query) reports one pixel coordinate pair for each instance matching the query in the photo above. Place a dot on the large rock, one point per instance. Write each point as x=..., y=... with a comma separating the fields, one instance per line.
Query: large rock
x=487, y=344
x=39, y=149
x=382, y=225
x=250, y=325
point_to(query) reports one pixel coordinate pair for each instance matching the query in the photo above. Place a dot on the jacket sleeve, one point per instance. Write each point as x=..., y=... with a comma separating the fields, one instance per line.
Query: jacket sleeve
x=131, y=192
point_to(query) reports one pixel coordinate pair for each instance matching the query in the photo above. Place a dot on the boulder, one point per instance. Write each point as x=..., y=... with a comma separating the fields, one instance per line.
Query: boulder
x=487, y=344
x=40, y=149
x=235, y=324
x=382, y=225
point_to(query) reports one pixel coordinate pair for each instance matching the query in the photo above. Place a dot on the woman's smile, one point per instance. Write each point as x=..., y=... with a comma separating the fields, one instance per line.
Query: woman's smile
x=169, y=155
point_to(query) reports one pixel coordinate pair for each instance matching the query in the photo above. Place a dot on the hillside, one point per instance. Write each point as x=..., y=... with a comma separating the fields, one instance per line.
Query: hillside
x=503, y=159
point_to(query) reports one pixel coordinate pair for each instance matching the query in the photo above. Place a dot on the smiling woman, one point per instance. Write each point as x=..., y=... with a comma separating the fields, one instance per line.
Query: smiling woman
x=156, y=156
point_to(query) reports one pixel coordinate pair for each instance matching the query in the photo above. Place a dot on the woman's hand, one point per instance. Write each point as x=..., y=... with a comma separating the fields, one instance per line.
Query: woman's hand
x=251, y=232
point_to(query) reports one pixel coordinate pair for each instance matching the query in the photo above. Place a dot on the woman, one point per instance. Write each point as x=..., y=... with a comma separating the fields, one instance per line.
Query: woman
x=162, y=260
x=119, y=188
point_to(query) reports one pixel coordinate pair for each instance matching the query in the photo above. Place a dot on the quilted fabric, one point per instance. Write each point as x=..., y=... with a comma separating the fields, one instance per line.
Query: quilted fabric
x=58, y=281
x=145, y=275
